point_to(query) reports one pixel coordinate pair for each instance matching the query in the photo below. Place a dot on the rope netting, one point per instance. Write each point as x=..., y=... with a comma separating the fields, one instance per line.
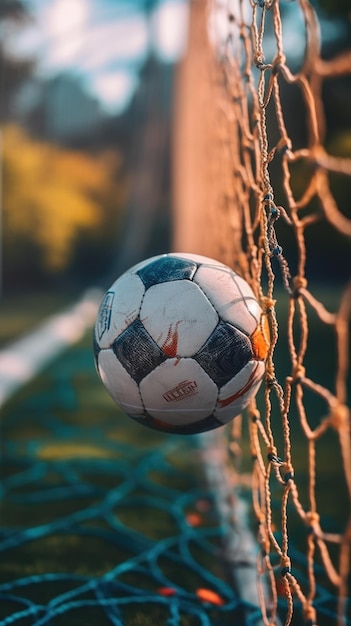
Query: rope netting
x=259, y=184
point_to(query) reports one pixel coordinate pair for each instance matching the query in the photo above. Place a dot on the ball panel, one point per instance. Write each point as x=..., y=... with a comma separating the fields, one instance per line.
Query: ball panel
x=234, y=303
x=137, y=351
x=121, y=387
x=166, y=268
x=118, y=309
x=225, y=353
x=237, y=393
x=179, y=392
x=253, y=306
x=178, y=317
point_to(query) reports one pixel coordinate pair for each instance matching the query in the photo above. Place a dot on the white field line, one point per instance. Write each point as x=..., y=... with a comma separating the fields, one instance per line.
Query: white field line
x=240, y=547
x=26, y=357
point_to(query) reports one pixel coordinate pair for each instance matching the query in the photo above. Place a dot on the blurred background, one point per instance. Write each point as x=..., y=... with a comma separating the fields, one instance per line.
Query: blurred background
x=86, y=113
x=89, y=97
x=85, y=109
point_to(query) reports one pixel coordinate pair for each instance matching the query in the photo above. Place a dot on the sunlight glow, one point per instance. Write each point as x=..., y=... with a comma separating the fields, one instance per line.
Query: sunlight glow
x=105, y=46
x=63, y=17
x=170, y=29
x=115, y=89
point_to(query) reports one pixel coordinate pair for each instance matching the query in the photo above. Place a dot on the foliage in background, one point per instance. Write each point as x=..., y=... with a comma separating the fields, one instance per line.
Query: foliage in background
x=60, y=210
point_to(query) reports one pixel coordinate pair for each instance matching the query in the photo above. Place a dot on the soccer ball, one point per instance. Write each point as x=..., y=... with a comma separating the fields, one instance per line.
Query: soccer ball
x=180, y=343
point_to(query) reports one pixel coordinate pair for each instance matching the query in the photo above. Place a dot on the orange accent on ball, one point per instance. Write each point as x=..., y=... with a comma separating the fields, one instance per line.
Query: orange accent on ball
x=253, y=379
x=170, y=346
x=260, y=339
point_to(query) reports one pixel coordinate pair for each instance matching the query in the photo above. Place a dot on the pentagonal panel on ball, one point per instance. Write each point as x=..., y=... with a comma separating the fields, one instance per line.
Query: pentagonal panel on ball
x=120, y=385
x=118, y=309
x=178, y=316
x=225, y=353
x=232, y=297
x=179, y=392
x=137, y=351
x=166, y=268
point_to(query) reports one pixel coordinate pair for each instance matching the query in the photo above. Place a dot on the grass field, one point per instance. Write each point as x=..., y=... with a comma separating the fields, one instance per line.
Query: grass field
x=20, y=314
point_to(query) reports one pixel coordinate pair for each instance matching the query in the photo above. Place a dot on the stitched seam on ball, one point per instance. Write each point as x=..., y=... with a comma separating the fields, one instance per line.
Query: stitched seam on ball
x=207, y=298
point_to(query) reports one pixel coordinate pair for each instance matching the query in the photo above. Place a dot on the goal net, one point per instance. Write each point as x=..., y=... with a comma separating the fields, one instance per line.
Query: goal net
x=262, y=164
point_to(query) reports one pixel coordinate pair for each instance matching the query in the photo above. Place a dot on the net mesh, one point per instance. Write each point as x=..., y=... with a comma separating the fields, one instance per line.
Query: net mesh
x=259, y=186
x=102, y=521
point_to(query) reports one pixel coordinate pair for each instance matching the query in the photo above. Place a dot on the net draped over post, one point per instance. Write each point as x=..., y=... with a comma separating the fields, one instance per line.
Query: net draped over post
x=257, y=184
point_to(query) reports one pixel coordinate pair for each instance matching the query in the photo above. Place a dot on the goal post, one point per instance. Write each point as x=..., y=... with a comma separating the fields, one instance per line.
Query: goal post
x=201, y=173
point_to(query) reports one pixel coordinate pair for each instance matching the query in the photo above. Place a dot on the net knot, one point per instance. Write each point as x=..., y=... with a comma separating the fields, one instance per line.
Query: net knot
x=270, y=376
x=273, y=457
x=274, y=211
x=339, y=417
x=310, y=616
x=284, y=145
x=299, y=373
x=259, y=59
x=267, y=304
x=268, y=197
x=312, y=521
x=277, y=250
x=299, y=282
x=255, y=415
x=285, y=564
x=279, y=59
x=288, y=472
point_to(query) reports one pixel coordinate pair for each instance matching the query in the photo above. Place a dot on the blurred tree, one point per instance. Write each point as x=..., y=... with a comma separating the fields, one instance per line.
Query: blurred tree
x=55, y=199
x=13, y=10
x=13, y=71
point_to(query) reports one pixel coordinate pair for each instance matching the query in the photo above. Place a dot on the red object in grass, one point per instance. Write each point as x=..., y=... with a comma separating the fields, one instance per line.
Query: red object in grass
x=167, y=591
x=207, y=595
x=194, y=519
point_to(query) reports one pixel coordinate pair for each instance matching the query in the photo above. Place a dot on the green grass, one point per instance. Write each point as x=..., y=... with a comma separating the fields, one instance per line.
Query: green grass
x=20, y=314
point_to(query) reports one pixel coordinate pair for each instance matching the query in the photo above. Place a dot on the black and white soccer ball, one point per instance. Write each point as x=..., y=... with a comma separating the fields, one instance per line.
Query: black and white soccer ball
x=180, y=344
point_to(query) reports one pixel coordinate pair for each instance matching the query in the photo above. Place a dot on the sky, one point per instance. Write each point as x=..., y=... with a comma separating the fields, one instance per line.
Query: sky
x=103, y=42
